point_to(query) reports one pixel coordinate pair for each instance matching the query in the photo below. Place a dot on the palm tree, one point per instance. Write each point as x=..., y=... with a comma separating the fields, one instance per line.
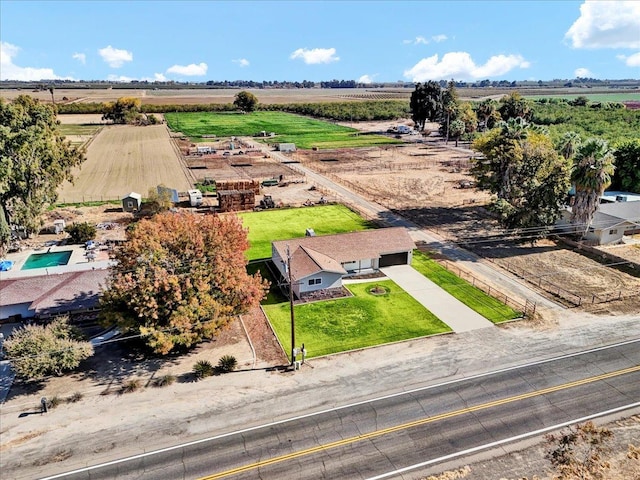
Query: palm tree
x=591, y=174
x=569, y=144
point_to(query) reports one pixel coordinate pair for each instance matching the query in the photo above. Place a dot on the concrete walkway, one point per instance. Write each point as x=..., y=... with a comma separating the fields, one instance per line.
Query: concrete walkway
x=443, y=305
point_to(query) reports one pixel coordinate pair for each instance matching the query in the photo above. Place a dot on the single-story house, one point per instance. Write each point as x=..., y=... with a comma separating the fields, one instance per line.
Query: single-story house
x=131, y=202
x=320, y=262
x=47, y=295
x=611, y=222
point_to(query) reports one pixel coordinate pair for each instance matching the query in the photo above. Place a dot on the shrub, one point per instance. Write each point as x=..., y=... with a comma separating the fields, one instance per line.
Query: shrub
x=81, y=232
x=227, y=364
x=36, y=351
x=164, y=380
x=202, y=369
x=76, y=397
x=131, y=386
x=54, y=401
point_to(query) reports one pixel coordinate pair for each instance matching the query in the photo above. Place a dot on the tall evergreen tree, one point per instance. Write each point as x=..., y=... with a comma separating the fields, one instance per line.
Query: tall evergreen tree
x=34, y=160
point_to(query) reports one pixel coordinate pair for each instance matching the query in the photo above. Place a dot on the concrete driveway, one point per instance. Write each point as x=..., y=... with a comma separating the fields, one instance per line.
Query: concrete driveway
x=443, y=305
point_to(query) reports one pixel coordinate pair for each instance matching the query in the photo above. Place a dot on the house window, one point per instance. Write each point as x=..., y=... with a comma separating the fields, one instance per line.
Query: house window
x=315, y=281
x=613, y=231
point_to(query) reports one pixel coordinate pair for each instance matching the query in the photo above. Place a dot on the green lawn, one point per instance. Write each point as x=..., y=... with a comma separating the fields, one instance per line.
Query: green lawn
x=305, y=132
x=364, y=320
x=281, y=224
x=487, y=306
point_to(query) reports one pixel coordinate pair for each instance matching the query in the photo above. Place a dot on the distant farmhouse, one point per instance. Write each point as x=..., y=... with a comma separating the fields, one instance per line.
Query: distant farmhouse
x=321, y=262
x=618, y=215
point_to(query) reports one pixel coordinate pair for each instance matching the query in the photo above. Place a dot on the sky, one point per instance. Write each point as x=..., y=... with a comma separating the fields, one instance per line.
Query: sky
x=296, y=40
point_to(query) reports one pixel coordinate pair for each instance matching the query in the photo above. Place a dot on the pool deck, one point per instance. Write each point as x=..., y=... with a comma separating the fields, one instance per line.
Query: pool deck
x=77, y=262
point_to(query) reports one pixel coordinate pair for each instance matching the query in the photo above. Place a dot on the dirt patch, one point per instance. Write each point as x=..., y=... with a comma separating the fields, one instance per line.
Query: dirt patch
x=400, y=177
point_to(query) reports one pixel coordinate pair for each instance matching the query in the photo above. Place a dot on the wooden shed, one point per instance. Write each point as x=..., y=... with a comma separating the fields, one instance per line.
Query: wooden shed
x=236, y=200
x=131, y=202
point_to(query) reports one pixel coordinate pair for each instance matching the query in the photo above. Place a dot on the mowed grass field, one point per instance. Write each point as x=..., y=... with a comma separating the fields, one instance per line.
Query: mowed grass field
x=280, y=224
x=305, y=132
x=364, y=320
x=123, y=159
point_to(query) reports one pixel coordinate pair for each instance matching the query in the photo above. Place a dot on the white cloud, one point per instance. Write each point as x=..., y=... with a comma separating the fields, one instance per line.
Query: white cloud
x=606, y=24
x=159, y=77
x=81, y=57
x=583, y=73
x=460, y=65
x=11, y=71
x=242, y=62
x=420, y=40
x=631, y=60
x=115, y=57
x=315, y=55
x=367, y=78
x=191, y=70
x=120, y=78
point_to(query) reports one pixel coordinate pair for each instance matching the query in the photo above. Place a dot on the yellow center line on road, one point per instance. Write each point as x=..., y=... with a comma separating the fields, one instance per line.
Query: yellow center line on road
x=404, y=426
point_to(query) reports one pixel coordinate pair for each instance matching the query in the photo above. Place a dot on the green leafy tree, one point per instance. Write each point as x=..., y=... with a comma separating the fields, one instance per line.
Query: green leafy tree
x=158, y=200
x=34, y=160
x=179, y=278
x=81, y=232
x=125, y=110
x=469, y=117
x=627, y=174
x=580, y=452
x=515, y=106
x=245, y=101
x=524, y=172
x=426, y=103
x=450, y=109
x=36, y=351
x=591, y=174
x=456, y=129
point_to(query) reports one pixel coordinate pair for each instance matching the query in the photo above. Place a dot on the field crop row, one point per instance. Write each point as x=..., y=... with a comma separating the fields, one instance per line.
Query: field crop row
x=303, y=131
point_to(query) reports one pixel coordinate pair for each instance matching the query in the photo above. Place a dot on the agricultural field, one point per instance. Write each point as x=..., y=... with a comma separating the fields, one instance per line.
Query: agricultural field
x=122, y=159
x=305, y=132
x=363, y=320
x=595, y=97
x=279, y=224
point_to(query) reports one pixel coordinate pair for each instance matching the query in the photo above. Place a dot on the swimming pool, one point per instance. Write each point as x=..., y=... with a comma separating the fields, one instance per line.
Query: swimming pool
x=49, y=259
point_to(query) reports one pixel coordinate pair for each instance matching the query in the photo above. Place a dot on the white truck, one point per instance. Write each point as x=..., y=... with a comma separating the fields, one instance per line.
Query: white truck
x=195, y=198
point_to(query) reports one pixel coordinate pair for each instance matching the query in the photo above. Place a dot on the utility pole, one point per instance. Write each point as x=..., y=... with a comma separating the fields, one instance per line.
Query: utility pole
x=293, y=322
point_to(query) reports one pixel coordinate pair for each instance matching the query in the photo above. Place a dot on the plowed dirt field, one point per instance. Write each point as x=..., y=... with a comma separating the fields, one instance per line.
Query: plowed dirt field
x=123, y=159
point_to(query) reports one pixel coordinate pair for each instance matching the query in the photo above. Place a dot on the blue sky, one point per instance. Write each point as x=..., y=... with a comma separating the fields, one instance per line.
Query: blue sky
x=366, y=40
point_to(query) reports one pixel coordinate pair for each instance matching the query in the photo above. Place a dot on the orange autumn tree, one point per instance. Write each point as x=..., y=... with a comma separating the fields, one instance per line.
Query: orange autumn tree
x=179, y=278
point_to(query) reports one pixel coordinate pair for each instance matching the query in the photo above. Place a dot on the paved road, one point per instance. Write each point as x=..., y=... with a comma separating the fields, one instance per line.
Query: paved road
x=382, y=436
x=442, y=304
x=471, y=261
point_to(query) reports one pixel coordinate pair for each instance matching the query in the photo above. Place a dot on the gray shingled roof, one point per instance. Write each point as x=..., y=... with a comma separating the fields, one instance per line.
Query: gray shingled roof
x=328, y=252
x=54, y=293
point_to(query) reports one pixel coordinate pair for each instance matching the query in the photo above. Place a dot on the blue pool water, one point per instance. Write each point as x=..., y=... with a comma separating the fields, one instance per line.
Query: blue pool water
x=49, y=259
